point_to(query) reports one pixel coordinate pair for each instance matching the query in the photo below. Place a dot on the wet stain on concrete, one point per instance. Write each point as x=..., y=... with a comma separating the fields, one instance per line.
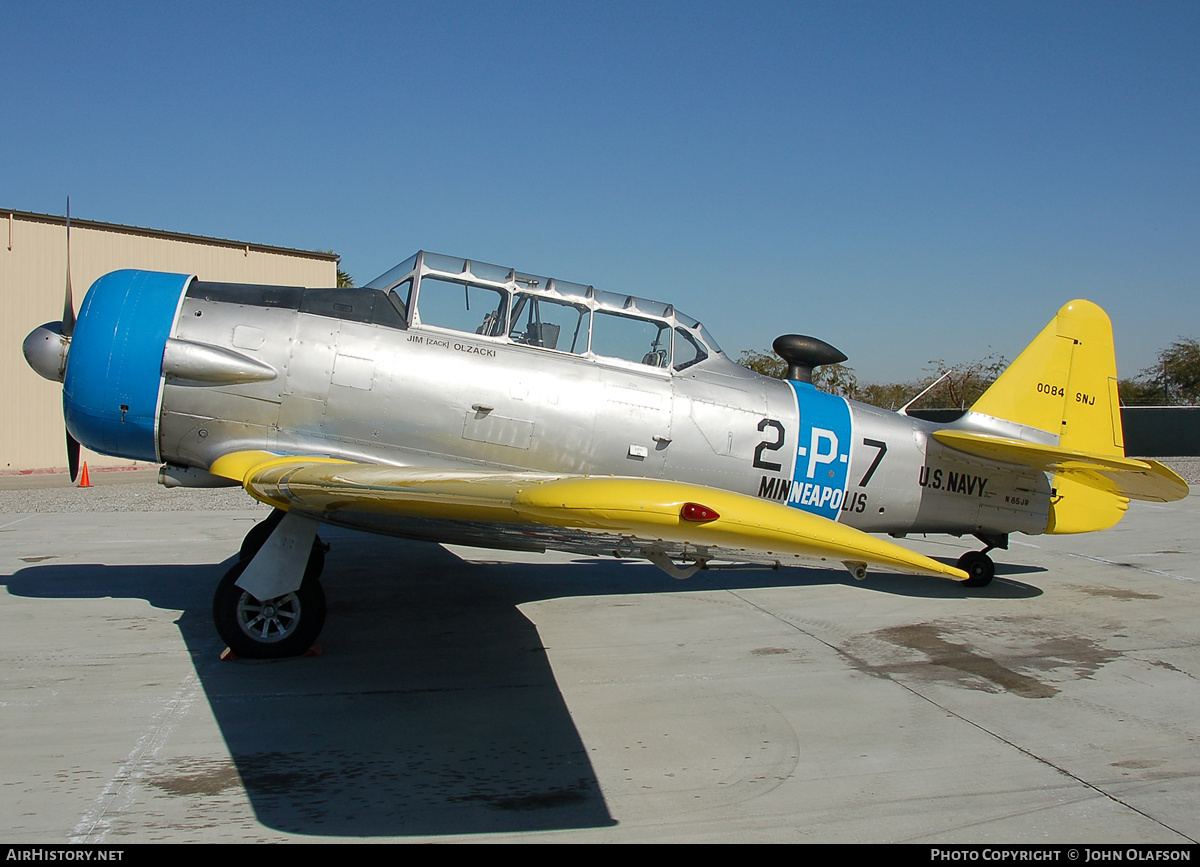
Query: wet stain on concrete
x=535, y=801
x=194, y=778
x=1137, y=764
x=1163, y=664
x=1012, y=671
x=1122, y=595
x=313, y=783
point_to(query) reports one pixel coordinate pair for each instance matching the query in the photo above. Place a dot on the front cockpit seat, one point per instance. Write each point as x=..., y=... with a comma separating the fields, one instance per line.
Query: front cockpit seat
x=655, y=358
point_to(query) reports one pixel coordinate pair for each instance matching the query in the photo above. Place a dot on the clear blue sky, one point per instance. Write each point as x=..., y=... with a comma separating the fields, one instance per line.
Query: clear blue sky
x=905, y=180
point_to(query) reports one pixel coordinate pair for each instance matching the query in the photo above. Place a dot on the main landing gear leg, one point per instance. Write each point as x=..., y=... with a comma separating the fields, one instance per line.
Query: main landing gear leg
x=286, y=614
x=978, y=565
x=258, y=535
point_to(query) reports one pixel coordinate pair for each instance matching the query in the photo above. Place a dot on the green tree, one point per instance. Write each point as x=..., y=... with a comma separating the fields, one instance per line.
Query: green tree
x=1136, y=392
x=833, y=378
x=889, y=395
x=960, y=389
x=763, y=362
x=1176, y=377
x=836, y=379
x=965, y=384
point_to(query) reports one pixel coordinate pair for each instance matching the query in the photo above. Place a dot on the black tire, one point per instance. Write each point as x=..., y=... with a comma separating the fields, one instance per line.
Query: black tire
x=258, y=535
x=287, y=625
x=979, y=567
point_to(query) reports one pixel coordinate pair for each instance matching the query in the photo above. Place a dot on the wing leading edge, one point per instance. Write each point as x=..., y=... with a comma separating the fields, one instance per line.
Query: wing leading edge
x=645, y=514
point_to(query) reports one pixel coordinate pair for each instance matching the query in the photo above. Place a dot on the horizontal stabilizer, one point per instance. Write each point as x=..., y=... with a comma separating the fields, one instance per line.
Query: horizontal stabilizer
x=1113, y=474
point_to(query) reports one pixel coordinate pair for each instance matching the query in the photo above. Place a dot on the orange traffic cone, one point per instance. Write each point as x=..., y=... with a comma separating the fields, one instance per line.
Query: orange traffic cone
x=84, y=481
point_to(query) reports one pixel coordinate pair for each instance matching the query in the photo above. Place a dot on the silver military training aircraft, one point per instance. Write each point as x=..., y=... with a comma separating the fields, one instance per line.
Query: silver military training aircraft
x=459, y=402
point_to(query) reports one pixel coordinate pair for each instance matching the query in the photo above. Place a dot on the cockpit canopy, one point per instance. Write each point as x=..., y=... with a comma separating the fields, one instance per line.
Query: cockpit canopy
x=430, y=290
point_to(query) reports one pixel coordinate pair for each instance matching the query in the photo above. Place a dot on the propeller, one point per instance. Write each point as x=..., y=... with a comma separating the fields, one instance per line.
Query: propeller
x=72, y=456
x=68, y=320
x=46, y=349
x=68, y=328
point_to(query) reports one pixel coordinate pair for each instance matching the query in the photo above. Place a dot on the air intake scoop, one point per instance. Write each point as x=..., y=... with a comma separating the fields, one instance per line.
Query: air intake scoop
x=803, y=353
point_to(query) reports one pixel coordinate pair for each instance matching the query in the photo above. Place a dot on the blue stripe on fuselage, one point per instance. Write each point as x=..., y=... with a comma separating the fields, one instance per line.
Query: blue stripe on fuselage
x=822, y=452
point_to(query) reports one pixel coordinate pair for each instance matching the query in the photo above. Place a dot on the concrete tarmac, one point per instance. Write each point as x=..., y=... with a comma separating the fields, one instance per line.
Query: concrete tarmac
x=599, y=701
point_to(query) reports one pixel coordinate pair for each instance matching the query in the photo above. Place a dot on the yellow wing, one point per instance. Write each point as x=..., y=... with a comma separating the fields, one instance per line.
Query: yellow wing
x=632, y=516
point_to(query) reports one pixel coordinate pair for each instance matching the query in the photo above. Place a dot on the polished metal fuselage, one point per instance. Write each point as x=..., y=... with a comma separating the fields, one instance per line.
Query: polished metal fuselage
x=430, y=397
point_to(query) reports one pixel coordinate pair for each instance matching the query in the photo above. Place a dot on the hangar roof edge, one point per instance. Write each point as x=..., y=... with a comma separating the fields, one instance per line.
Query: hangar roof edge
x=162, y=233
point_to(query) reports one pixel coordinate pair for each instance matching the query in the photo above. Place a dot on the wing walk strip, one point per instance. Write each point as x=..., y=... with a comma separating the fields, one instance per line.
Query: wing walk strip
x=643, y=509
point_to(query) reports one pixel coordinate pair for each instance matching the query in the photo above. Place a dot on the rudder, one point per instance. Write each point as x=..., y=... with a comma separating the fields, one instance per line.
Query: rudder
x=1065, y=383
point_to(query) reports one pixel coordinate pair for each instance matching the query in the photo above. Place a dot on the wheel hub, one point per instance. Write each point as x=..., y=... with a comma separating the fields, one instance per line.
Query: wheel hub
x=269, y=621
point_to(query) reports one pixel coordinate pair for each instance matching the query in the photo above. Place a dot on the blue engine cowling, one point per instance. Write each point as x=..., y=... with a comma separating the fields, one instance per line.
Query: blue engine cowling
x=112, y=388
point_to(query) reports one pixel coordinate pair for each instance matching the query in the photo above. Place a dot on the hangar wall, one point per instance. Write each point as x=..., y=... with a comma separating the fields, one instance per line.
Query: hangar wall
x=33, y=267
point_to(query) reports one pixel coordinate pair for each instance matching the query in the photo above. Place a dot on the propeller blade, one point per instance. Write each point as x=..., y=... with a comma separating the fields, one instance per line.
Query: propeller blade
x=72, y=455
x=68, y=320
x=68, y=327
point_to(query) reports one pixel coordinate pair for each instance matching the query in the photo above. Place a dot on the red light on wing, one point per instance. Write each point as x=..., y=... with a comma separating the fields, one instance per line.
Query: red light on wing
x=697, y=513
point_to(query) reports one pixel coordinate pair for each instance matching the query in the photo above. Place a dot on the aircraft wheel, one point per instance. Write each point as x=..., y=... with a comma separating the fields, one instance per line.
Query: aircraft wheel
x=979, y=567
x=259, y=533
x=287, y=625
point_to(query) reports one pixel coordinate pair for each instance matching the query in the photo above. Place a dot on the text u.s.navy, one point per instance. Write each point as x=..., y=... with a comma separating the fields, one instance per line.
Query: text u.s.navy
x=456, y=401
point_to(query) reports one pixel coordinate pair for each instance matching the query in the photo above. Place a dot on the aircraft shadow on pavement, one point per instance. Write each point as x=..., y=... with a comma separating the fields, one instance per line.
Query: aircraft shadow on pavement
x=434, y=709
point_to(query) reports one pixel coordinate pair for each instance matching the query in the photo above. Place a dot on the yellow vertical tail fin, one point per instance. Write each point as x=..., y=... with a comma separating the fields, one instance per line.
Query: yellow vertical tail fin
x=1065, y=383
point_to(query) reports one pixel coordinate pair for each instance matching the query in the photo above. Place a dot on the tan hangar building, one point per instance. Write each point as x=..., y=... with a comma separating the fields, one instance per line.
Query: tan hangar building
x=33, y=269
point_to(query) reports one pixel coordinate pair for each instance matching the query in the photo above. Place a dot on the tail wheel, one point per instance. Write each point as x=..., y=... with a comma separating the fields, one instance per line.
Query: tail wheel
x=979, y=567
x=286, y=625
